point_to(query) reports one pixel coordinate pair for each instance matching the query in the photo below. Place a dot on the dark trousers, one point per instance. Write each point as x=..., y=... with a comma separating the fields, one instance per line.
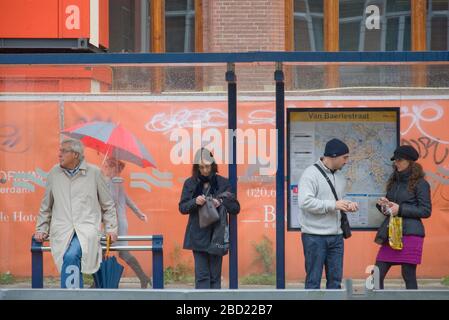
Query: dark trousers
x=319, y=252
x=207, y=270
x=408, y=273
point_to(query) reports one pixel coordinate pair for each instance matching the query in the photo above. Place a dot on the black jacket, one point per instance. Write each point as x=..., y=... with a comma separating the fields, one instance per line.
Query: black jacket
x=413, y=206
x=197, y=238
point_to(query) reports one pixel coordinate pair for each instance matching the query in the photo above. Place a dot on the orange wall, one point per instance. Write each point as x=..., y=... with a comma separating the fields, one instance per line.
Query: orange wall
x=29, y=19
x=423, y=124
x=52, y=19
x=54, y=78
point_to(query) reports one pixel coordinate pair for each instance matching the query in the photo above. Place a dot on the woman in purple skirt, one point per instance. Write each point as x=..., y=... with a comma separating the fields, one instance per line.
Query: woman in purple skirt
x=408, y=196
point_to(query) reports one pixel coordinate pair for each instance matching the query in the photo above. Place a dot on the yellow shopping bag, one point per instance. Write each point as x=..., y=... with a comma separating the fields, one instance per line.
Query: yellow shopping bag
x=395, y=233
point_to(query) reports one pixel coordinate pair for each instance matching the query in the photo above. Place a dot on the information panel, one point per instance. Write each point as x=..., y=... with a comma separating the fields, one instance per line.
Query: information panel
x=372, y=135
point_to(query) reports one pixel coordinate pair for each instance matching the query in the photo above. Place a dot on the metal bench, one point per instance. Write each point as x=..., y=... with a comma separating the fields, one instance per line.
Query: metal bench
x=37, y=265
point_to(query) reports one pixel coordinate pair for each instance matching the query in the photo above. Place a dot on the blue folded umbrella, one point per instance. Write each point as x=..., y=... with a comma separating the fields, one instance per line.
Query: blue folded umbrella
x=110, y=272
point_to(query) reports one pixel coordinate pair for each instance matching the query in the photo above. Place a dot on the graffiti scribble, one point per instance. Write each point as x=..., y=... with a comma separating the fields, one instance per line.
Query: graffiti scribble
x=185, y=118
x=417, y=117
x=10, y=138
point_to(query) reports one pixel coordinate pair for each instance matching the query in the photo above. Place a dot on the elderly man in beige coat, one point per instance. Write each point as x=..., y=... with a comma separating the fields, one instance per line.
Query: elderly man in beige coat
x=76, y=202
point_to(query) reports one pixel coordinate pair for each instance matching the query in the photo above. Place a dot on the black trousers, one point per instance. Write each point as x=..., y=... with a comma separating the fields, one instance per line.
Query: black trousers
x=207, y=270
x=408, y=273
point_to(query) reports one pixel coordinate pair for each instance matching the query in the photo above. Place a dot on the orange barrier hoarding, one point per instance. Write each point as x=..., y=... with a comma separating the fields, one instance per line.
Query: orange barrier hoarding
x=157, y=191
x=29, y=146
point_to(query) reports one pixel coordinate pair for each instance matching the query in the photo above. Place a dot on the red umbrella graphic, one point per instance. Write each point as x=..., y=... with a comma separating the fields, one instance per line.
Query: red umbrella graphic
x=113, y=140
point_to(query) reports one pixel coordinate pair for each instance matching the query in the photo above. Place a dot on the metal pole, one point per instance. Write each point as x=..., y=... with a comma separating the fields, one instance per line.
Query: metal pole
x=158, y=262
x=131, y=238
x=280, y=178
x=144, y=23
x=188, y=27
x=37, y=268
x=232, y=125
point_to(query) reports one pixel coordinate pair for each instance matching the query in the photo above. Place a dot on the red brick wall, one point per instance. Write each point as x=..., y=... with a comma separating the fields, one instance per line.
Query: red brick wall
x=240, y=26
x=237, y=25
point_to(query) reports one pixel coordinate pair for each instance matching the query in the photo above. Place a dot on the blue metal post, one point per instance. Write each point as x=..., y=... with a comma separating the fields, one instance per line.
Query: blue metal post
x=232, y=125
x=280, y=178
x=158, y=262
x=37, y=264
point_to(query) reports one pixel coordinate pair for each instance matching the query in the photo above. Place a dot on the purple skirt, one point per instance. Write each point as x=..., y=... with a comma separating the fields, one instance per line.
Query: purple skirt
x=411, y=251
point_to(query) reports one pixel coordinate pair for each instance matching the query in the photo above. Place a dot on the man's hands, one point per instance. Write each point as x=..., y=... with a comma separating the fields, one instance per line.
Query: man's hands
x=40, y=236
x=346, y=206
x=353, y=206
x=113, y=236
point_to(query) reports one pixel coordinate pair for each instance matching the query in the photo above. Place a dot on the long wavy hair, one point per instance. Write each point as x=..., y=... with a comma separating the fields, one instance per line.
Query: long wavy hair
x=205, y=154
x=417, y=173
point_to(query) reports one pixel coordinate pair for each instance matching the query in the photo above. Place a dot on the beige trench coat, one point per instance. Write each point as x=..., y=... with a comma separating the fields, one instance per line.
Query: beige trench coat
x=77, y=204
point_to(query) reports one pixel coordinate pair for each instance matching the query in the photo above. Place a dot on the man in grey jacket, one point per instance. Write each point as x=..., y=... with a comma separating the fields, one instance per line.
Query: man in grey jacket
x=319, y=216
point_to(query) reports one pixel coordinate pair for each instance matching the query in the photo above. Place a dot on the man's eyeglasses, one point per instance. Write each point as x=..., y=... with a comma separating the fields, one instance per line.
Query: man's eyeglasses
x=65, y=150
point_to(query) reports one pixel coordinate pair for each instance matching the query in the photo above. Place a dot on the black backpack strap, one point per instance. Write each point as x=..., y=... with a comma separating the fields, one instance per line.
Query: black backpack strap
x=327, y=179
x=345, y=227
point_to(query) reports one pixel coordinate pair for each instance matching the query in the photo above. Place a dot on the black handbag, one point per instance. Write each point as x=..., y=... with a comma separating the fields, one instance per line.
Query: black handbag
x=382, y=232
x=207, y=213
x=219, y=243
x=344, y=222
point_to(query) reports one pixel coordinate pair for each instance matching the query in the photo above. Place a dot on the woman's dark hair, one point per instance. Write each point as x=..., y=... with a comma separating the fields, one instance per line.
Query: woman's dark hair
x=417, y=173
x=203, y=154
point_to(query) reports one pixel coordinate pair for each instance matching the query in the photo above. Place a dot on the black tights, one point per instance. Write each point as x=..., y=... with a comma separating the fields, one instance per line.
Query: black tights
x=408, y=273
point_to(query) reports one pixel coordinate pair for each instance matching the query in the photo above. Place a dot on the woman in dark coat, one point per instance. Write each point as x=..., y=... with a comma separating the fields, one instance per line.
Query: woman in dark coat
x=205, y=180
x=408, y=196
